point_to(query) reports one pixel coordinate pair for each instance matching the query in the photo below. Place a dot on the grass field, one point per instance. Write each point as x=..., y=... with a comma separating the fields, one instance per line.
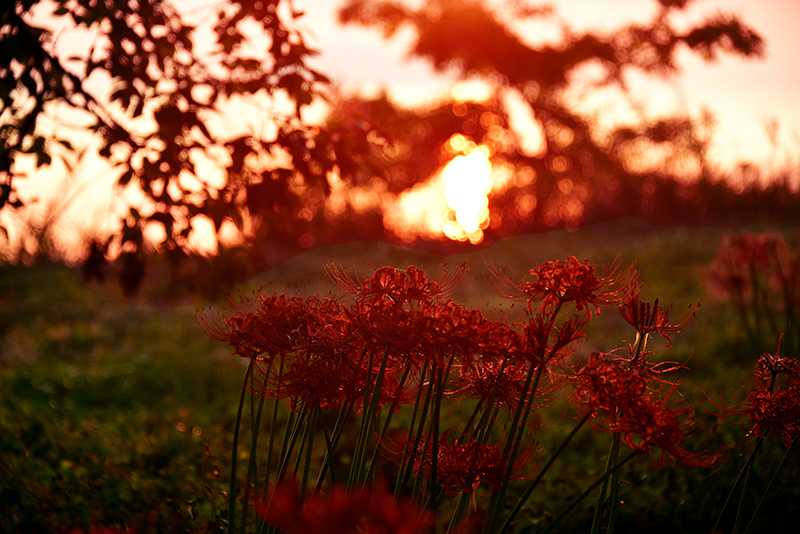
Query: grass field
x=121, y=414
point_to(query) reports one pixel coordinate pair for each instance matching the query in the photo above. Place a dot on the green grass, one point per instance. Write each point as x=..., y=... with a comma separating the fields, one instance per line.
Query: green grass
x=116, y=414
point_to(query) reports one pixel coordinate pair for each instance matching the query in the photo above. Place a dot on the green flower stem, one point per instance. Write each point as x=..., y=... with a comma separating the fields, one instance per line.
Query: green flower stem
x=270, y=450
x=433, y=488
x=601, y=499
x=591, y=488
x=517, y=436
x=357, y=470
x=312, y=419
x=545, y=469
x=307, y=430
x=411, y=451
x=389, y=416
x=461, y=509
x=739, y=478
x=252, y=467
x=271, y=446
x=740, y=510
x=473, y=415
x=330, y=447
x=612, y=514
x=288, y=447
x=497, y=497
x=769, y=487
x=237, y=425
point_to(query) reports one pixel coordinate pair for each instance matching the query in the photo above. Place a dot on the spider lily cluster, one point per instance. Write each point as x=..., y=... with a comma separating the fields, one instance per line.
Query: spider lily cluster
x=409, y=412
x=760, y=275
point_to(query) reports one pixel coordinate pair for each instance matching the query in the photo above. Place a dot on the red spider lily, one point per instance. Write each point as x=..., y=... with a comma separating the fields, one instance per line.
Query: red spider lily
x=654, y=424
x=318, y=381
x=625, y=401
x=649, y=318
x=382, y=325
x=270, y=326
x=491, y=376
x=778, y=411
x=329, y=328
x=330, y=381
x=461, y=465
x=559, y=282
x=449, y=329
x=397, y=286
x=741, y=257
x=497, y=339
x=541, y=346
x=368, y=511
x=774, y=403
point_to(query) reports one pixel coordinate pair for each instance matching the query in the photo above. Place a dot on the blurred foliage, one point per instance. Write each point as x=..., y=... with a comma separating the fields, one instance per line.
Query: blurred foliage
x=277, y=179
x=759, y=274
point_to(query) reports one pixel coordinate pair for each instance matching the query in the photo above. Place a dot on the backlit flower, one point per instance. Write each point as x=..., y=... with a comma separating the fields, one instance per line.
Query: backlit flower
x=401, y=287
x=774, y=403
x=556, y=283
x=632, y=401
x=649, y=318
x=271, y=325
x=741, y=259
x=492, y=378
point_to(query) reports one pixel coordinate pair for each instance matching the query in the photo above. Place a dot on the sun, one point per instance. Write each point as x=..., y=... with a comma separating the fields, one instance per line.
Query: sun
x=467, y=182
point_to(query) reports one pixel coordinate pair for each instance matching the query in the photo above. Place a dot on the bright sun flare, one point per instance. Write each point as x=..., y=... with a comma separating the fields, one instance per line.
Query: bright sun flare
x=468, y=181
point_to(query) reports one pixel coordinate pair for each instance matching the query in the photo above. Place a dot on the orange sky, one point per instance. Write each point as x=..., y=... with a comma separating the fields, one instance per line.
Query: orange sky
x=744, y=95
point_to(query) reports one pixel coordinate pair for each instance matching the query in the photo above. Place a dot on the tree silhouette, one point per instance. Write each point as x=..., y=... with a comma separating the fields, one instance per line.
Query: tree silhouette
x=583, y=174
x=277, y=181
x=146, y=53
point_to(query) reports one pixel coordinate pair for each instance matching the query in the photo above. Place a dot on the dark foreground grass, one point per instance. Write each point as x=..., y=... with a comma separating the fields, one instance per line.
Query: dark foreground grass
x=120, y=415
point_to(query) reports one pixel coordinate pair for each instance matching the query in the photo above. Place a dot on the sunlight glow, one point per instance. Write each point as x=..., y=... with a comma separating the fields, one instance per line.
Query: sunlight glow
x=467, y=182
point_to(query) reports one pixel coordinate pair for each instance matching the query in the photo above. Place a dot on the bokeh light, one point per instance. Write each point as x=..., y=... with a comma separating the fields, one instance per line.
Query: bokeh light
x=467, y=181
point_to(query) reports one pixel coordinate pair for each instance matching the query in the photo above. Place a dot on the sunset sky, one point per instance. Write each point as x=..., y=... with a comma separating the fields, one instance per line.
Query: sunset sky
x=744, y=95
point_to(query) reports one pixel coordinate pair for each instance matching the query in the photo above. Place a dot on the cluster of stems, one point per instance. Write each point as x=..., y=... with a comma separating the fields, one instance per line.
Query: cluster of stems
x=760, y=275
x=395, y=398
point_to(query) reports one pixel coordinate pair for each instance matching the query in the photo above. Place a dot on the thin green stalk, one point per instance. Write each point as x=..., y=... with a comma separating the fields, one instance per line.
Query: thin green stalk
x=740, y=509
x=488, y=401
x=515, y=439
x=598, y=511
x=252, y=461
x=406, y=473
x=541, y=474
x=270, y=449
x=432, y=492
x=497, y=497
x=461, y=508
x=389, y=416
x=612, y=514
x=360, y=437
x=236, y=426
x=271, y=446
x=524, y=406
x=303, y=441
x=309, y=447
x=330, y=447
x=357, y=470
x=766, y=491
x=739, y=478
x=591, y=488
x=286, y=451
